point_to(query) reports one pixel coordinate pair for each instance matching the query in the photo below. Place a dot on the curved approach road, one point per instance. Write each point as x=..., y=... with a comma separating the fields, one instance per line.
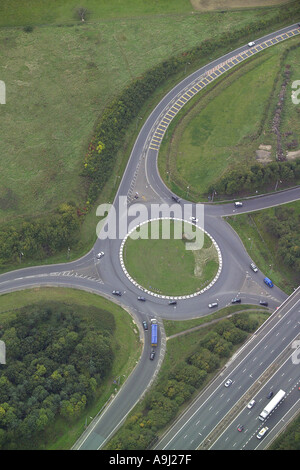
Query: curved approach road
x=104, y=275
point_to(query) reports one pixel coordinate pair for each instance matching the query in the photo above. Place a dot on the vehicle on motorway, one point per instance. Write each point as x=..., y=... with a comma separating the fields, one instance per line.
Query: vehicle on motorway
x=254, y=267
x=268, y=282
x=272, y=405
x=142, y=299
x=176, y=199
x=262, y=432
x=251, y=404
x=153, y=332
x=236, y=300
x=238, y=204
x=116, y=292
x=152, y=355
x=270, y=394
x=194, y=220
x=251, y=43
x=228, y=383
x=240, y=427
x=213, y=304
x=99, y=255
x=263, y=302
x=145, y=325
x=172, y=302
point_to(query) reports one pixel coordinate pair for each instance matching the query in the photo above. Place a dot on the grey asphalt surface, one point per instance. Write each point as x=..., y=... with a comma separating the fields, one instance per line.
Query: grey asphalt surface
x=250, y=367
x=103, y=276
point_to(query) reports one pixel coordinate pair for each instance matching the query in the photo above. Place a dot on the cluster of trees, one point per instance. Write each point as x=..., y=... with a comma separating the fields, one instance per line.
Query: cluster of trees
x=162, y=404
x=39, y=238
x=244, y=181
x=110, y=130
x=56, y=360
x=284, y=226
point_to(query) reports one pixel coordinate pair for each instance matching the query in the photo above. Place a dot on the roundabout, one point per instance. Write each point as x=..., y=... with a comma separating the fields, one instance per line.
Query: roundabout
x=208, y=280
x=109, y=273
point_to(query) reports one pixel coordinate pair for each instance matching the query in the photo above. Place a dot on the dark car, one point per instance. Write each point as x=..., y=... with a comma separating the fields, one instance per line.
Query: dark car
x=116, y=292
x=152, y=355
x=263, y=302
x=236, y=300
x=176, y=199
x=270, y=395
x=145, y=325
x=172, y=302
x=141, y=298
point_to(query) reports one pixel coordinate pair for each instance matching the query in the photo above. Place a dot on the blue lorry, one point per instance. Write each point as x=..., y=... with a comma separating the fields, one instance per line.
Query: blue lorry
x=153, y=332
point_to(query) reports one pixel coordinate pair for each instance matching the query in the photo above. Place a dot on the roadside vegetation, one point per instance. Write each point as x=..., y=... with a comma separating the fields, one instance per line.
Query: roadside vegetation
x=272, y=239
x=191, y=361
x=290, y=439
x=67, y=354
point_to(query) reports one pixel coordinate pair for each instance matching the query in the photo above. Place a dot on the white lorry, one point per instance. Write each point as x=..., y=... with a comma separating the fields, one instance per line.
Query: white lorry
x=272, y=405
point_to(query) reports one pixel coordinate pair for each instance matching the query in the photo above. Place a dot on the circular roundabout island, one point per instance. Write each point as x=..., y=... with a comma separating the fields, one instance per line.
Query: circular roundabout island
x=170, y=258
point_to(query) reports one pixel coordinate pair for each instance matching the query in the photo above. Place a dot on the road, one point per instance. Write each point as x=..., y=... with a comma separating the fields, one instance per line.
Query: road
x=219, y=410
x=102, y=276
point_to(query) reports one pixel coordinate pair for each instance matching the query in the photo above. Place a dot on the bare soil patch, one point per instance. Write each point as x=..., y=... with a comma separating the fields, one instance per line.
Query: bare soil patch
x=202, y=5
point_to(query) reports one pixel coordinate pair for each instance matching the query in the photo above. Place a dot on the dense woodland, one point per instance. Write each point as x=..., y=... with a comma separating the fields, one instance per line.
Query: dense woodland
x=56, y=357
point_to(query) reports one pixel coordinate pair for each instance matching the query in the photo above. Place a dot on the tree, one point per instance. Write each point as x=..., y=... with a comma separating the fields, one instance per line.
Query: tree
x=82, y=13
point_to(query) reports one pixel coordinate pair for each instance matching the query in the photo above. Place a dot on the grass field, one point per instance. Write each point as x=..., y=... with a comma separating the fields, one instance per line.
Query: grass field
x=58, y=82
x=126, y=346
x=165, y=266
x=262, y=246
x=60, y=78
x=226, y=124
x=37, y=12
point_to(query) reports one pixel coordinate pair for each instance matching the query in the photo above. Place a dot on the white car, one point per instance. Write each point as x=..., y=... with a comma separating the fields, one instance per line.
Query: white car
x=262, y=432
x=228, y=383
x=251, y=44
x=212, y=305
x=251, y=404
x=99, y=255
x=194, y=220
x=238, y=204
x=254, y=267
